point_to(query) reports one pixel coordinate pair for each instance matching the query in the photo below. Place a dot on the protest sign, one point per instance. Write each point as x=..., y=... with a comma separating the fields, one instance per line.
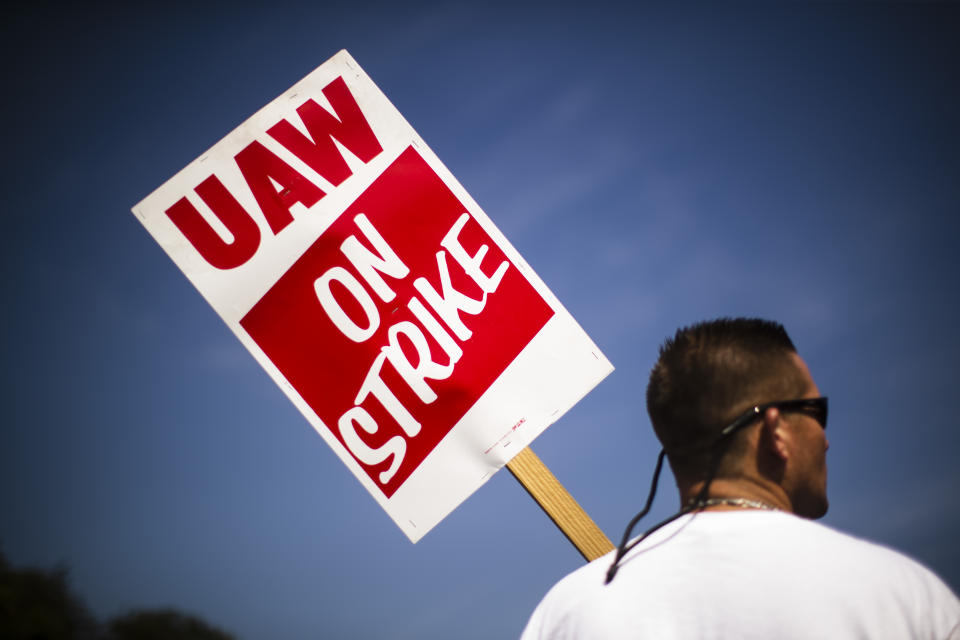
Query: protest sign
x=375, y=292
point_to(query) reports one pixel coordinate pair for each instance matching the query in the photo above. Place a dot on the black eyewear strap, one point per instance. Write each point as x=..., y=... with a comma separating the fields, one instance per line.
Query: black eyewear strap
x=816, y=408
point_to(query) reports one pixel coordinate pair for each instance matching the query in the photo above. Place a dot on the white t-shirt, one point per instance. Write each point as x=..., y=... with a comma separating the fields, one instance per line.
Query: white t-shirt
x=750, y=574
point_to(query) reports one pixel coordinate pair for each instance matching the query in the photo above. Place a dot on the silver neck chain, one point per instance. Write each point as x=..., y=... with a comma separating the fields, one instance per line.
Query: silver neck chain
x=743, y=503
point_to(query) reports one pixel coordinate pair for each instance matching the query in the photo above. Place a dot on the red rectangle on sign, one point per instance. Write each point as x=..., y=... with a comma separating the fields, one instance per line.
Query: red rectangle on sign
x=397, y=320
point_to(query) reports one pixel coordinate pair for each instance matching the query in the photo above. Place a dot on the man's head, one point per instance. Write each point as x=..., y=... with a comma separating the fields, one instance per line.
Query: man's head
x=706, y=376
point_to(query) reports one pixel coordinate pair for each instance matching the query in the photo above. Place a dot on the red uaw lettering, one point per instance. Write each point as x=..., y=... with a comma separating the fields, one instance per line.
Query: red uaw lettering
x=261, y=168
x=395, y=446
x=334, y=310
x=318, y=151
x=368, y=265
x=208, y=243
x=276, y=186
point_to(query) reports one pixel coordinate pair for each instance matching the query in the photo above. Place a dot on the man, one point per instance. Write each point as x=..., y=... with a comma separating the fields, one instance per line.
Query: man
x=742, y=424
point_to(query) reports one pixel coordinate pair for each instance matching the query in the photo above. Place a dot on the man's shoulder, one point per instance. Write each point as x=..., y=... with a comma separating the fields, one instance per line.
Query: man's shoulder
x=834, y=546
x=838, y=562
x=849, y=545
x=567, y=596
x=769, y=542
x=721, y=558
x=582, y=580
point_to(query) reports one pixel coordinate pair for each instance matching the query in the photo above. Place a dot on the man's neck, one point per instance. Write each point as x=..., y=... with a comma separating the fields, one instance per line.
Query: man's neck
x=730, y=494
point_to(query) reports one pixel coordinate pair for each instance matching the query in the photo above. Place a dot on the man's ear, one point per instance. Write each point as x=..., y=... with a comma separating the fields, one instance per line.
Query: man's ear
x=773, y=435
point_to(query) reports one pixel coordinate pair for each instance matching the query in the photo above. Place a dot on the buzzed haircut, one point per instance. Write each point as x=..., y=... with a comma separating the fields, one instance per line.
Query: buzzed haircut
x=709, y=373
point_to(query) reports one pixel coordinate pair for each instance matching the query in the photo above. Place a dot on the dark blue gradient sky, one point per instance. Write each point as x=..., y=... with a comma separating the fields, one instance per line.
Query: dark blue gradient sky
x=656, y=166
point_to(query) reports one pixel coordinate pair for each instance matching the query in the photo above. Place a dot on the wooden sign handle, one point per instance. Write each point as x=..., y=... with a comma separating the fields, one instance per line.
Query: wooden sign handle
x=569, y=516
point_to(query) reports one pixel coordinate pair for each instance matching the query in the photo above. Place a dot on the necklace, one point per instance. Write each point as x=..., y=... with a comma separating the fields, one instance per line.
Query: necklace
x=734, y=502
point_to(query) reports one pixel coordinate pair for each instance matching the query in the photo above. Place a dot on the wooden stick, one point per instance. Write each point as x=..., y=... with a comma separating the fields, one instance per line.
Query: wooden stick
x=569, y=516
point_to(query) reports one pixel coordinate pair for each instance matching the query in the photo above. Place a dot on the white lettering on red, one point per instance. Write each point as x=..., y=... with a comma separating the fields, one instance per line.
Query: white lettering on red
x=415, y=366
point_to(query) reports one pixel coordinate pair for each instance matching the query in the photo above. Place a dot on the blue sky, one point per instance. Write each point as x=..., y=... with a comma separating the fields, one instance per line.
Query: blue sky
x=656, y=166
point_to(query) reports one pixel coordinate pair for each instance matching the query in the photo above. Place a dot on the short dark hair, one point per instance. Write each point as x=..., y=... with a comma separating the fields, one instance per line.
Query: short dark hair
x=709, y=373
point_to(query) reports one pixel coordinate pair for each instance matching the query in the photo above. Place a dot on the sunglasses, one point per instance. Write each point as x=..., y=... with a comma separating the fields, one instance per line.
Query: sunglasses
x=816, y=408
